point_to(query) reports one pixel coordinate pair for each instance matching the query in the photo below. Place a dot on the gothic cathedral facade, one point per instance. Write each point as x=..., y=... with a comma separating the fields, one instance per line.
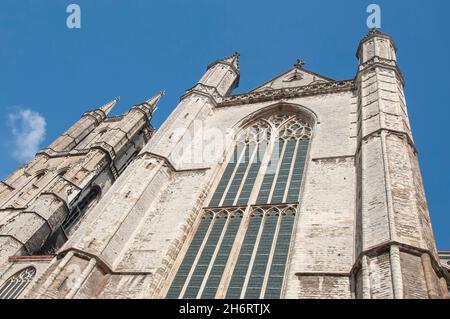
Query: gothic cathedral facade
x=311, y=189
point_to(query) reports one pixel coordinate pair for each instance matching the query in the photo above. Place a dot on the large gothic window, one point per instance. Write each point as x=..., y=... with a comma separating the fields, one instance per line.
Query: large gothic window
x=15, y=285
x=256, y=201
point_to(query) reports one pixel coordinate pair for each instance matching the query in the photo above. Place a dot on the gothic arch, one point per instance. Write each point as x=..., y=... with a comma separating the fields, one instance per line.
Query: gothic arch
x=309, y=115
x=39, y=174
x=261, y=178
x=17, y=283
x=62, y=171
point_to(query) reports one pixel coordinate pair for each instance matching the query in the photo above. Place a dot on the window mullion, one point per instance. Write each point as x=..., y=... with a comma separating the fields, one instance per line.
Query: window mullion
x=277, y=171
x=10, y=291
x=249, y=165
x=213, y=258
x=18, y=290
x=299, y=170
x=236, y=167
x=6, y=290
x=269, y=261
x=235, y=252
x=197, y=257
x=255, y=250
x=291, y=172
x=284, y=242
x=198, y=275
x=262, y=171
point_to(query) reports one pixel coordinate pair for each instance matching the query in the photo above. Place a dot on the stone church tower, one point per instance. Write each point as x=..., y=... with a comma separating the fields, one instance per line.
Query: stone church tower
x=304, y=187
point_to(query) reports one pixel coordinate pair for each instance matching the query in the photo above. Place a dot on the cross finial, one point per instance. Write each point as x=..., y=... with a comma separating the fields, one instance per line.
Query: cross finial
x=299, y=64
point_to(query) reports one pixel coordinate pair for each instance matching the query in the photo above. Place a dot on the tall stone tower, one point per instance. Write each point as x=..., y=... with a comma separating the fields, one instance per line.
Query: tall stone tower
x=44, y=202
x=304, y=187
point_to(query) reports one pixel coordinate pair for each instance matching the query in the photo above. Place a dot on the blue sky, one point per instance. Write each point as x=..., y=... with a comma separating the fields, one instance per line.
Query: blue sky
x=50, y=75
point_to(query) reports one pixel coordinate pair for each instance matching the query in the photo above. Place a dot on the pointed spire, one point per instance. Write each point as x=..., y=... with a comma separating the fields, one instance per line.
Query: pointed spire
x=109, y=106
x=154, y=100
x=149, y=106
x=232, y=60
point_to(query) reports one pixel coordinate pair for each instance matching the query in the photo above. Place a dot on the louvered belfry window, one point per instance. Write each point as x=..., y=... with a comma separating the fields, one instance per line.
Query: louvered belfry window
x=240, y=246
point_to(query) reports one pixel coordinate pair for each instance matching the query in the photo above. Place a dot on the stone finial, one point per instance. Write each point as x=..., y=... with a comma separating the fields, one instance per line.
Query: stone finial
x=151, y=103
x=109, y=106
x=232, y=60
x=155, y=99
x=299, y=64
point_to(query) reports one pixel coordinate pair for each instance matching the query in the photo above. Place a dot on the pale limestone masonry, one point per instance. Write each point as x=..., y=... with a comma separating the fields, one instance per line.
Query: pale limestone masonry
x=362, y=226
x=37, y=199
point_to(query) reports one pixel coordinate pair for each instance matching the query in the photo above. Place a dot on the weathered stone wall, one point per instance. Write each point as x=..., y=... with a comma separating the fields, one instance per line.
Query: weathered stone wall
x=362, y=229
x=322, y=287
x=36, y=199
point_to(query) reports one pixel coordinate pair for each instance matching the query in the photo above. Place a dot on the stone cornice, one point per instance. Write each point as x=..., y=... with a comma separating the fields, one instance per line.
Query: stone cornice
x=383, y=63
x=226, y=61
x=205, y=90
x=7, y=185
x=385, y=247
x=170, y=164
x=50, y=153
x=103, y=264
x=375, y=33
x=323, y=274
x=389, y=131
x=98, y=118
x=289, y=93
x=105, y=148
x=44, y=258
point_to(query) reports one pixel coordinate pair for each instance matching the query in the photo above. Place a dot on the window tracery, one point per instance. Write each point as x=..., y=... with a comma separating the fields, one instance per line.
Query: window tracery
x=15, y=285
x=260, y=187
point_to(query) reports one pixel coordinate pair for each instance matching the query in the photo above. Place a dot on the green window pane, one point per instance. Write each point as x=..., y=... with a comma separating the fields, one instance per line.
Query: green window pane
x=299, y=165
x=189, y=257
x=218, y=194
x=280, y=256
x=205, y=258
x=262, y=256
x=237, y=179
x=264, y=192
x=283, y=173
x=251, y=176
x=221, y=260
x=243, y=261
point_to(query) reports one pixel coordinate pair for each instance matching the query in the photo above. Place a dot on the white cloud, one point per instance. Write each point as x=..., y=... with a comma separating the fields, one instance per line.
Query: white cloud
x=28, y=130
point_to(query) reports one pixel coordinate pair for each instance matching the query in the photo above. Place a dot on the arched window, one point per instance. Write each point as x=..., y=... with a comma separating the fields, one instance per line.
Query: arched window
x=86, y=203
x=261, y=185
x=15, y=285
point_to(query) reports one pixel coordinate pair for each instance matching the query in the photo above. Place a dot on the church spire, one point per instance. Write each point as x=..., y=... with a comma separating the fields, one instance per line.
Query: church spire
x=222, y=75
x=109, y=106
x=232, y=60
x=154, y=100
x=149, y=106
